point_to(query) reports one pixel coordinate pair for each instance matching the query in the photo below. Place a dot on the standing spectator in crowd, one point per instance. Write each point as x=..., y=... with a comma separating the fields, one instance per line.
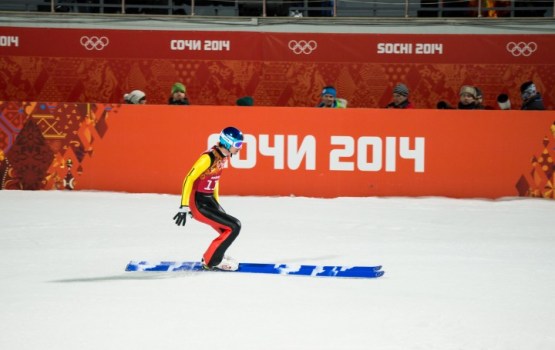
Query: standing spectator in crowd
x=531, y=98
x=468, y=98
x=179, y=95
x=329, y=99
x=400, y=97
x=135, y=97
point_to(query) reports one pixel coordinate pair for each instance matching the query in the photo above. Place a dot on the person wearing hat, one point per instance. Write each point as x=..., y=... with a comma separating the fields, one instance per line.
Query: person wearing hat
x=200, y=199
x=468, y=98
x=135, y=97
x=245, y=101
x=400, y=97
x=179, y=95
x=329, y=99
x=531, y=98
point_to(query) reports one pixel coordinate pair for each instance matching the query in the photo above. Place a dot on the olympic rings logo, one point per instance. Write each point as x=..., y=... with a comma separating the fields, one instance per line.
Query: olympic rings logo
x=522, y=48
x=302, y=46
x=94, y=42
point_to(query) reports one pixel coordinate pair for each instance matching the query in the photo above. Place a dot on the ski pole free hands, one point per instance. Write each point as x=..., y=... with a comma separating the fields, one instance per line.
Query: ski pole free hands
x=181, y=217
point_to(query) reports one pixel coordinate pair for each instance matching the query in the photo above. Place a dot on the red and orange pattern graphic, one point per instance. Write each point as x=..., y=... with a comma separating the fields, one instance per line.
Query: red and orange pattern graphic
x=43, y=145
x=540, y=182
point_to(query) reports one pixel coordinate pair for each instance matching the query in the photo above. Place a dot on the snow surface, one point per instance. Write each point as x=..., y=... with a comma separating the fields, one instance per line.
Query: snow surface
x=460, y=274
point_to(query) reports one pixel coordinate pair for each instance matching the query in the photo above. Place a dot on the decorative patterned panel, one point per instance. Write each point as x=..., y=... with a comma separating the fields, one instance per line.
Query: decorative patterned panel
x=49, y=150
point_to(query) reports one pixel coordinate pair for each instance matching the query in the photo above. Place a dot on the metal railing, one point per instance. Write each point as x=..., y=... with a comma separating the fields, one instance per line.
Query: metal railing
x=294, y=8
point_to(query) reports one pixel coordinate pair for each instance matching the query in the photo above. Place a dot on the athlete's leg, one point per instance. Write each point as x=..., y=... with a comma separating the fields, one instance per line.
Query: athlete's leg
x=208, y=211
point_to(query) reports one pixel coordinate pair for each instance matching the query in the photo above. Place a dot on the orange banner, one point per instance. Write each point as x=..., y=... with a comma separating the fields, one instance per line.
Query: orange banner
x=288, y=151
x=323, y=153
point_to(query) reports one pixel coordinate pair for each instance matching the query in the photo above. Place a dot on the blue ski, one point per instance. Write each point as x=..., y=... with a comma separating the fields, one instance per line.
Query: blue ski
x=277, y=269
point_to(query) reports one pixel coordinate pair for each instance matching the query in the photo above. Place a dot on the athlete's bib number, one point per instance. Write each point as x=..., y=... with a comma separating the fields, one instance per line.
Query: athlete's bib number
x=210, y=185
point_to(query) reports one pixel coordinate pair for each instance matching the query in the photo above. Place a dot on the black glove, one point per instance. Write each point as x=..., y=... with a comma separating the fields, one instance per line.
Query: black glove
x=181, y=217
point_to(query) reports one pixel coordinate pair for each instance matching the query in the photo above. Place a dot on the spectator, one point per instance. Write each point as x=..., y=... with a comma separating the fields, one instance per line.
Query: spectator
x=179, y=95
x=245, y=101
x=468, y=98
x=480, y=99
x=330, y=100
x=135, y=97
x=400, y=97
x=503, y=101
x=531, y=98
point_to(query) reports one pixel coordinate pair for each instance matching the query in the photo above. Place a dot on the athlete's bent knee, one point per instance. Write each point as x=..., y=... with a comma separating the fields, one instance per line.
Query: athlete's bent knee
x=235, y=228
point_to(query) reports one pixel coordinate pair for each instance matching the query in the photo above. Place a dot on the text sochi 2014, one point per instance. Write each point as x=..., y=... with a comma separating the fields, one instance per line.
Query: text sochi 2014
x=365, y=153
x=6, y=41
x=409, y=49
x=200, y=45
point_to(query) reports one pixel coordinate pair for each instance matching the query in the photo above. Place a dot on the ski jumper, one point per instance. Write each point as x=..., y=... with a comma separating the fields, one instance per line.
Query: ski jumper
x=200, y=194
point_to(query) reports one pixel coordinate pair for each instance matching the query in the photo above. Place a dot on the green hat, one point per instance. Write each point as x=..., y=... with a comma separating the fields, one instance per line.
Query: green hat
x=178, y=87
x=245, y=101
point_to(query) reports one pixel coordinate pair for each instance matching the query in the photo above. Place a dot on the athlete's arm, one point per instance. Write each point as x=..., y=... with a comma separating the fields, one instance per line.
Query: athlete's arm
x=198, y=168
x=217, y=192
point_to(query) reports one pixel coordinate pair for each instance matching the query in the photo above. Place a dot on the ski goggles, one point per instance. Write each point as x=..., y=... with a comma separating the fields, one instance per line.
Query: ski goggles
x=237, y=144
x=232, y=143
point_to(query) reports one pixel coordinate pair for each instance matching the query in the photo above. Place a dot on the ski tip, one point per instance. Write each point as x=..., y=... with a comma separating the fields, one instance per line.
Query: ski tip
x=132, y=266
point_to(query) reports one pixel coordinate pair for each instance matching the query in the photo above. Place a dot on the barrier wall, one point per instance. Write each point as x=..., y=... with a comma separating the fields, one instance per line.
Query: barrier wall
x=288, y=151
x=277, y=69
